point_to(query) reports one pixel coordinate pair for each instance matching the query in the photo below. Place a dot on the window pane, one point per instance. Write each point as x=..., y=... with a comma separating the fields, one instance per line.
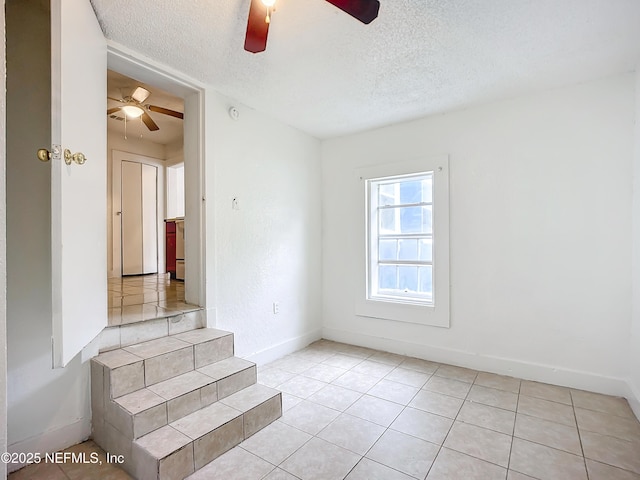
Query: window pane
x=426, y=279
x=426, y=250
x=415, y=219
x=408, y=279
x=386, y=194
x=388, y=220
x=408, y=249
x=387, y=277
x=427, y=189
x=410, y=191
x=427, y=219
x=388, y=249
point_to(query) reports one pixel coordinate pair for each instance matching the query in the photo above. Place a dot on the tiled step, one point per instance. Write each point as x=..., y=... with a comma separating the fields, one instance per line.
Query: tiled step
x=143, y=411
x=178, y=449
x=131, y=368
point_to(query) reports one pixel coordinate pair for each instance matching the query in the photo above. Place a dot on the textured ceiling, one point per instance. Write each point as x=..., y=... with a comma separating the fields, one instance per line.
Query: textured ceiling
x=327, y=74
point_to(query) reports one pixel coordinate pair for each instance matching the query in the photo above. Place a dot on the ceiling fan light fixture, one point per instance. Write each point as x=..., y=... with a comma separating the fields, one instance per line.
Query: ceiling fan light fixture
x=132, y=111
x=269, y=3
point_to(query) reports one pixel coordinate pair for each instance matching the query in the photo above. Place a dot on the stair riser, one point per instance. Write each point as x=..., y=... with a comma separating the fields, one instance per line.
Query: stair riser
x=206, y=448
x=129, y=378
x=135, y=426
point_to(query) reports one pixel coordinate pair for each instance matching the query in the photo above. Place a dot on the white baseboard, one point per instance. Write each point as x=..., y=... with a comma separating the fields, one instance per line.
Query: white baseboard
x=51, y=441
x=288, y=346
x=633, y=397
x=488, y=363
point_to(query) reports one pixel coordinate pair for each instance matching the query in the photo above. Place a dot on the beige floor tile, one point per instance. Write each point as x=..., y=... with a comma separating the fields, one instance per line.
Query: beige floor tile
x=301, y=386
x=375, y=410
x=555, y=412
x=456, y=373
x=512, y=475
x=41, y=471
x=342, y=361
x=545, y=391
x=352, y=433
x=236, y=464
x=324, y=373
x=480, y=443
x=370, y=470
x=612, y=451
x=448, y=386
x=272, y=377
x=551, y=434
x=419, y=365
x=488, y=417
x=452, y=465
x=388, y=358
x=356, y=381
x=545, y=463
x=408, y=377
x=493, y=397
x=403, y=452
x=393, y=391
x=374, y=369
x=176, y=386
x=205, y=420
x=606, y=424
x=289, y=401
x=602, y=403
x=313, y=354
x=338, y=398
x=354, y=350
x=309, y=417
x=600, y=471
x=437, y=403
x=276, y=442
x=279, y=474
x=320, y=460
x=292, y=364
x=424, y=425
x=499, y=382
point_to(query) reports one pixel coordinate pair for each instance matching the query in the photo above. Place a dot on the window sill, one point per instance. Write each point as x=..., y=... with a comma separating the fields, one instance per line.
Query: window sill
x=403, y=312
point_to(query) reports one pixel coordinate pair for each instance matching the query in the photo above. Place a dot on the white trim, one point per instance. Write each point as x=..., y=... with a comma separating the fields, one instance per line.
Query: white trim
x=434, y=315
x=274, y=352
x=130, y=63
x=52, y=441
x=488, y=363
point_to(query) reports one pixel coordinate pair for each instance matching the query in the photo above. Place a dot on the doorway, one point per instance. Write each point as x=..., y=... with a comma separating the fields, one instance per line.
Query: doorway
x=142, y=158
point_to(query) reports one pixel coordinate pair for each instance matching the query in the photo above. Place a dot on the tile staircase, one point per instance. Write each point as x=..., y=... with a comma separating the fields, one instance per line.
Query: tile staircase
x=173, y=404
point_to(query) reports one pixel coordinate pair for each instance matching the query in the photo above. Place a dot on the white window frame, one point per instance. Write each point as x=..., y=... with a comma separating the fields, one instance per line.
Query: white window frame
x=435, y=312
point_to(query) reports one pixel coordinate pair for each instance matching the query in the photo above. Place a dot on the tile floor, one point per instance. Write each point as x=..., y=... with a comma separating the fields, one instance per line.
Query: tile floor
x=361, y=414
x=144, y=297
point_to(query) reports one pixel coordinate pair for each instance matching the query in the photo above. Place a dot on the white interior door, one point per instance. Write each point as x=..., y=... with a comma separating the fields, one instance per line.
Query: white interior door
x=131, y=218
x=78, y=192
x=139, y=207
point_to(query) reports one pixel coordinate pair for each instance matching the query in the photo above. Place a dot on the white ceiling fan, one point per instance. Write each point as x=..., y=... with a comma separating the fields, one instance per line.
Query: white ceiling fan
x=133, y=107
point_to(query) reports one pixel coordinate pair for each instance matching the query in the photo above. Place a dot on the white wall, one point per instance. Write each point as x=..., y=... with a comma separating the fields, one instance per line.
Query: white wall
x=635, y=321
x=270, y=249
x=3, y=255
x=47, y=409
x=540, y=195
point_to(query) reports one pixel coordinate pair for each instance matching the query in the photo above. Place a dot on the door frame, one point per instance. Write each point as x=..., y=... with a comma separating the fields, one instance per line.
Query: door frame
x=134, y=65
x=117, y=157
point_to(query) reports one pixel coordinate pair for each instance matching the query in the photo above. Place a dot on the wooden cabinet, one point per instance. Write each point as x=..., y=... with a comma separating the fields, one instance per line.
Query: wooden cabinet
x=170, y=247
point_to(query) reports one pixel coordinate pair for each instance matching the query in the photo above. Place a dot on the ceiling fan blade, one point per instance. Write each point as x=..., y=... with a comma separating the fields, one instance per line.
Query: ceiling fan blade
x=113, y=110
x=364, y=10
x=257, y=28
x=166, y=111
x=148, y=121
x=140, y=94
